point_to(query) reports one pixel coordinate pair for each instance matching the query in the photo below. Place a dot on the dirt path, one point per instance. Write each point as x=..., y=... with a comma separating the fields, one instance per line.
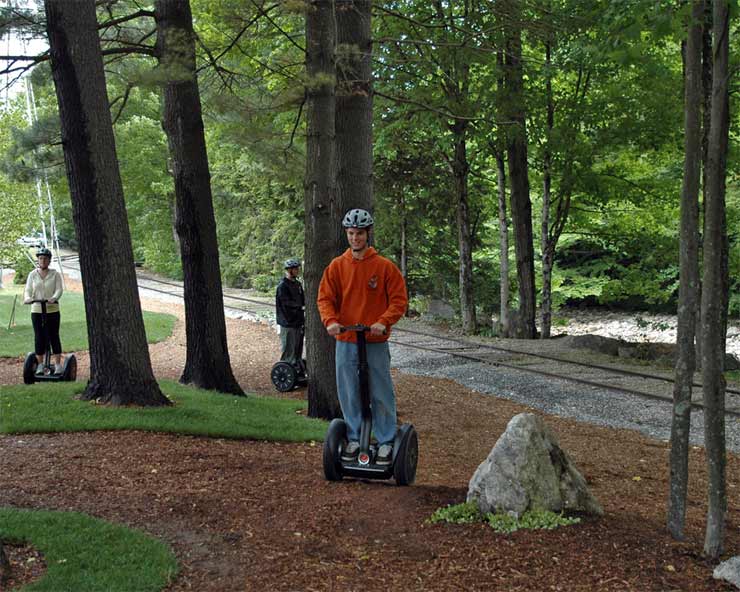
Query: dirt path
x=244, y=515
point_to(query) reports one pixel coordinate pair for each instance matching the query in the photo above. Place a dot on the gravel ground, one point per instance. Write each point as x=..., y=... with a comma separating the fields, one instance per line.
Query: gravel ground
x=558, y=397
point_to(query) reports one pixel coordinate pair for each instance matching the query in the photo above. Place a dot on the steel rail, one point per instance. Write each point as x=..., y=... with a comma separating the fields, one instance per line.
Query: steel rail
x=695, y=405
x=554, y=358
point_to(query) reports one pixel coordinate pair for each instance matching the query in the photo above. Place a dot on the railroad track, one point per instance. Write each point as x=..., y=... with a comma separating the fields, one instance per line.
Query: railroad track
x=609, y=377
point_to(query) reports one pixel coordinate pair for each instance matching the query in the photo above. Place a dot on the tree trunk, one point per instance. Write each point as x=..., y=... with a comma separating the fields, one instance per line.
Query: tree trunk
x=404, y=257
x=521, y=205
x=460, y=170
x=207, y=363
x=4, y=567
x=548, y=253
x=503, y=236
x=354, y=107
x=120, y=367
x=689, y=277
x=323, y=234
x=714, y=284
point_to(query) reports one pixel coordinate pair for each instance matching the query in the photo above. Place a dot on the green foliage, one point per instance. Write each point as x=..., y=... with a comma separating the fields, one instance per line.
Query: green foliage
x=18, y=339
x=530, y=520
x=55, y=407
x=465, y=513
x=22, y=266
x=504, y=523
x=85, y=553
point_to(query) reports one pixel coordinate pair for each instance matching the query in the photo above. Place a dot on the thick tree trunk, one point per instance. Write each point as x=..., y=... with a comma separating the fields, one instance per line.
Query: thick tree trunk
x=207, y=363
x=714, y=300
x=689, y=277
x=521, y=205
x=460, y=170
x=322, y=212
x=503, y=237
x=120, y=367
x=354, y=106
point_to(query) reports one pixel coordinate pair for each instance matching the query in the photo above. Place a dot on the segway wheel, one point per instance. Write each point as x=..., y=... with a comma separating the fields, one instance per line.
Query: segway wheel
x=69, y=372
x=404, y=468
x=283, y=376
x=335, y=436
x=29, y=368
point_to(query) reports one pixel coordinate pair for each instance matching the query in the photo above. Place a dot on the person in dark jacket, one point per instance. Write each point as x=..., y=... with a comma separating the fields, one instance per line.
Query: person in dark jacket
x=290, y=304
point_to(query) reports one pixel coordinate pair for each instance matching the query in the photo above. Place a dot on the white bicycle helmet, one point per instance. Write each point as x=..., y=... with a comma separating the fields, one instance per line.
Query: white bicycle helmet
x=291, y=263
x=357, y=218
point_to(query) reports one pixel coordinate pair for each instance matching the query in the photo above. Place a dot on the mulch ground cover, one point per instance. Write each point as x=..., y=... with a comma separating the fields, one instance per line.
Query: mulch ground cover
x=250, y=515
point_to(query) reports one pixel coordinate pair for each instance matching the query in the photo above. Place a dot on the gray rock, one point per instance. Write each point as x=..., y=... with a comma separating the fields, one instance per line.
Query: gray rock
x=729, y=571
x=527, y=470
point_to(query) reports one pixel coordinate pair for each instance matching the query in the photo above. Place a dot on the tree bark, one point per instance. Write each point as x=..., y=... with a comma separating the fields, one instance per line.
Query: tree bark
x=503, y=237
x=323, y=231
x=521, y=205
x=4, y=566
x=688, y=276
x=548, y=253
x=207, y=362
x=354, y=107
x=120, y=367
x=714, y=300
x=460, y=171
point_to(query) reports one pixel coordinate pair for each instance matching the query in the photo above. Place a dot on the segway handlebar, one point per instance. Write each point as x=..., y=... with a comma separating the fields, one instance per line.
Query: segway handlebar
x=359, y=327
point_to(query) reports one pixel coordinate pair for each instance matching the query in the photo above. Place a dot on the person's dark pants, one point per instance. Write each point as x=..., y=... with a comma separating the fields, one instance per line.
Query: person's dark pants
x=291, y=342
x=50, y=332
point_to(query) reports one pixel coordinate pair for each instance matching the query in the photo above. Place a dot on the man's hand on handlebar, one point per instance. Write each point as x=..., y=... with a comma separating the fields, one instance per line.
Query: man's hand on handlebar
x=334, y=329
x=377, y=329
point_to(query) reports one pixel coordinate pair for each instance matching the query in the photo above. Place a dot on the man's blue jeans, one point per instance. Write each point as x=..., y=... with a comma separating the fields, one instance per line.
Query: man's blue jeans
x=382, y=396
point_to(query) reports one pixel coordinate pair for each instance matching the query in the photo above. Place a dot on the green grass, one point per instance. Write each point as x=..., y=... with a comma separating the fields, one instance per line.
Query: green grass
x=52, y=407
x=73, y=331
x=84, y=553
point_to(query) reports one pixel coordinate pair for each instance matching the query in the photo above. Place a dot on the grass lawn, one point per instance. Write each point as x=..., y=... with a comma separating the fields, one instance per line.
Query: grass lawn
x=18, y=340
x=84, y=553
x=52, y=407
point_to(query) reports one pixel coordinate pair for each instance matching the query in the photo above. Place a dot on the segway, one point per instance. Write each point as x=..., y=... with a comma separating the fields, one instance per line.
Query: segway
x=31, y=369
x=286, y=376
x=405, y=445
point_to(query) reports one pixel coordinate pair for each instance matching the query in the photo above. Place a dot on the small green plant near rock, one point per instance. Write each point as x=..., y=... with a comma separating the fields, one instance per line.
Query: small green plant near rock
x=504, y=523
x=466, y=513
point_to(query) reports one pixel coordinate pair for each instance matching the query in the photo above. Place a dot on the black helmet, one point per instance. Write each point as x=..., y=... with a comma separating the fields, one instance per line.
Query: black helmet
x=43, y=252
x=291, y=263
x=357, y=218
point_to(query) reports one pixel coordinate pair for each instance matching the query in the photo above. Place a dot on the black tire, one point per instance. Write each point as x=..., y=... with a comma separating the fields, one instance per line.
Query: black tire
x=29, y=369
x=283, y=376
x=335, y=437
x=69, y=372
x=407, y=456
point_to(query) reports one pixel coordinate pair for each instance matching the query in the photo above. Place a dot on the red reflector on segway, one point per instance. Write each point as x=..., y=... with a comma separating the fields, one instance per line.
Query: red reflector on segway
x=364, y=458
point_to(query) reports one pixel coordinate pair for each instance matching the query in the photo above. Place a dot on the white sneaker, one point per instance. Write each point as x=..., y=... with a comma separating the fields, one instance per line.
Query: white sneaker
x=58, y=369
x=350, y=451
x=385, y=453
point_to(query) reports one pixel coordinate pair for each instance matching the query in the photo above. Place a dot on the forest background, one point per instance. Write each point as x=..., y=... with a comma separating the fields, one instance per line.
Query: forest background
x=603, y=93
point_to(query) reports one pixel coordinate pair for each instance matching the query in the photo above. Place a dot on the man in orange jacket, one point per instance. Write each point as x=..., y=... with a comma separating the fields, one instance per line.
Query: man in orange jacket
x=362, y=287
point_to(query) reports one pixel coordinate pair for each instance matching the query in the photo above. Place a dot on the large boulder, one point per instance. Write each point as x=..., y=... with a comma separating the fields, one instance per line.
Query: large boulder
x=527, y=470
x=729, y=571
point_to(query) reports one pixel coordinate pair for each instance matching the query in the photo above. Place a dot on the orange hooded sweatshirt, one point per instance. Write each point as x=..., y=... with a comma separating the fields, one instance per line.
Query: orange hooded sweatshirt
x=362, y=291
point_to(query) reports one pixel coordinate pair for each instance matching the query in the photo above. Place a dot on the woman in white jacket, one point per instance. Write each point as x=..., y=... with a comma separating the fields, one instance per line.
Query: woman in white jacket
x=44, y=283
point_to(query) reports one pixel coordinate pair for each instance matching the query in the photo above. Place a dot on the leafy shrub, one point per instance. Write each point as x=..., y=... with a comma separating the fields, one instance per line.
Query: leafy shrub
x=504, y=523
x=23, y=267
